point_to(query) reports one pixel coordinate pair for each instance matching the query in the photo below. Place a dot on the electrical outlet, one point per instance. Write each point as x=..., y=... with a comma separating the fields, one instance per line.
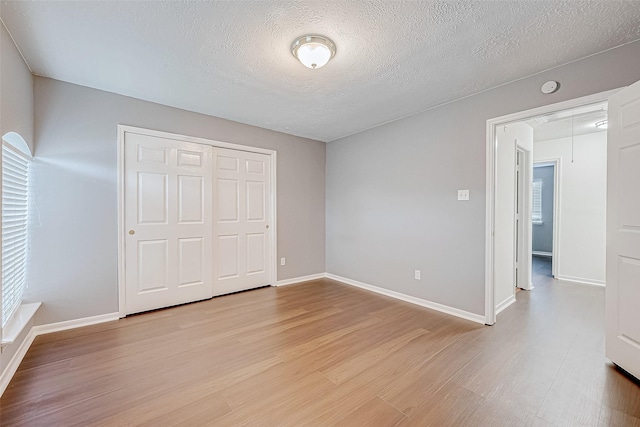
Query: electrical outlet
x=283, y=261
x=417, y=274
x=463, y=194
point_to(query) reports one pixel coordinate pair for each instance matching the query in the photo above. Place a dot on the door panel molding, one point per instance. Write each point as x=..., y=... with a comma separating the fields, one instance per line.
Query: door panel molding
x=622, y=336
x=167, y=208
x=249, y=221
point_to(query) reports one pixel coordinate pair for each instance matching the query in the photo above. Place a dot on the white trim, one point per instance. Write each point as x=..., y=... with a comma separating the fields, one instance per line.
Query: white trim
x=274, y=215
x=526, y=173
x=18, y=321
x=478, y=318
x=75, y=323
x=542, y=163
x=12, y=367
x=14, y=364
x=194, y=139
x=582, y=280
x=121, y=222
x=504, y=304
x=122, y=130
x=542, y=253
x=490, y=309
x=16, y=143
x=489, y=270
x=301, y=279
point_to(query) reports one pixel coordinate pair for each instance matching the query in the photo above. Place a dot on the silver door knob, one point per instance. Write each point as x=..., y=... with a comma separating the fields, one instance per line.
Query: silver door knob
x=267, y=225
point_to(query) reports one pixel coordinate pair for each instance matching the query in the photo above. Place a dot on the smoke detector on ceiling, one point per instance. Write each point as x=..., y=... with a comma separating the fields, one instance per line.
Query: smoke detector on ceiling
x=550, y=87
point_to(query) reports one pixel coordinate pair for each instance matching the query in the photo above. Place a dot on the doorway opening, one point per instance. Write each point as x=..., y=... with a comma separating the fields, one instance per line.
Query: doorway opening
x=544, y=219
x=569, y=193
x=565, y=138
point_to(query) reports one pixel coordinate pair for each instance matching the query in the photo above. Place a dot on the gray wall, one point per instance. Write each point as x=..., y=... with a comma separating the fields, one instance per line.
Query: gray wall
x=16, y=91
x=16, y=115
x=391, y=190
x=542, y=240
x=73, y=260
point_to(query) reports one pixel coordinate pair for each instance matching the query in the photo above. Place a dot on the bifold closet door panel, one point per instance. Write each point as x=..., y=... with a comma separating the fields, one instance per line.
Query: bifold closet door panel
x=241, y=211
x=169, y=222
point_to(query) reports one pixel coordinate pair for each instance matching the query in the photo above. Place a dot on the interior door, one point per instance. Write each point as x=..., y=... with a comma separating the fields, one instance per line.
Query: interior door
x=168, y=220
x=623, y=230
x=241, y=221
x=518, y=219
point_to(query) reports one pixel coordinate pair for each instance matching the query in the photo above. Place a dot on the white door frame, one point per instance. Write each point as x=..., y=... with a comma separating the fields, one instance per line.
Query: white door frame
x=556, y=162
x=122, y=130
x=491, y=166
x=523, y=232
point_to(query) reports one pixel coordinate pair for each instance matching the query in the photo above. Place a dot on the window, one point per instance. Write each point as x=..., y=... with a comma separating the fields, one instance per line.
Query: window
x=536, y=210
x=15, y=185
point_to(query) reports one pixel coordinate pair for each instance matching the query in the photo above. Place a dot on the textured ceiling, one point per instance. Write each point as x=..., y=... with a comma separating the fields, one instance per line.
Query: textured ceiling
x=232, y=59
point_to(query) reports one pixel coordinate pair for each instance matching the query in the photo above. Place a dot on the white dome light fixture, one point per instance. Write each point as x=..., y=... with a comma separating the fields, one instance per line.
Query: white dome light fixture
x=313, y=51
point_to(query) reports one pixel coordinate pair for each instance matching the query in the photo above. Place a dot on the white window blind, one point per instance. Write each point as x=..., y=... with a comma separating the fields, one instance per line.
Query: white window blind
x=536, y=209
x=15, y=183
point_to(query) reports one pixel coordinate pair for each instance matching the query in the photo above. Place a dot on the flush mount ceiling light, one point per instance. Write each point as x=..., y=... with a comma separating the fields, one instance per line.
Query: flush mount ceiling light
x=313, y=51
x=602, y=124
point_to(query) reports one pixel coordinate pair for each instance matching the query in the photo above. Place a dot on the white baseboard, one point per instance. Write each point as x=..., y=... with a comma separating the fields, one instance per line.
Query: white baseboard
x=582, y=280
x=504, y=304
x=76, y=323
x=12, y=367
x=413, y=300
x=301, y=279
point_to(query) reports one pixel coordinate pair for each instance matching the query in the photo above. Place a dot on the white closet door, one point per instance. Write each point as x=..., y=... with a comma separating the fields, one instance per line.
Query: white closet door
x=241, y=221
x=168, y=219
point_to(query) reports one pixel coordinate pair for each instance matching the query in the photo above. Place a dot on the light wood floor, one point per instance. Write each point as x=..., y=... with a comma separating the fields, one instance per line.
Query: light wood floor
x=322, y=353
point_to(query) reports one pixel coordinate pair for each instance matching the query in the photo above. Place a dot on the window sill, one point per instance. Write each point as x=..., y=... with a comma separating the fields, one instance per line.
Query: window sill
x=18, y=322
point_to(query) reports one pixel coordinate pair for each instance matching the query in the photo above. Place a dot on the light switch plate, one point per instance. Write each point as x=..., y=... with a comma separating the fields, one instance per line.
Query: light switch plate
x=463, y=194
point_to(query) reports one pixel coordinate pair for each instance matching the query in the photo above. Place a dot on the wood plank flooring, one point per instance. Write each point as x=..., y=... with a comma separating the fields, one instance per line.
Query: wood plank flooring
x=323, y=353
